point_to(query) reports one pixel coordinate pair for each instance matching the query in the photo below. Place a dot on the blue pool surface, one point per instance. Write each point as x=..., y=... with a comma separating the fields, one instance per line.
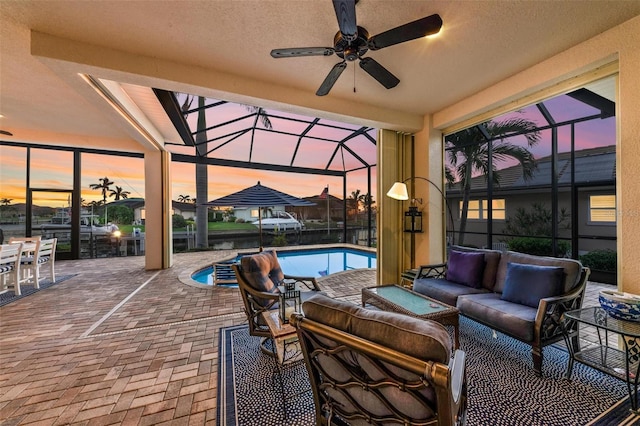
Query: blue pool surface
x=310, y=263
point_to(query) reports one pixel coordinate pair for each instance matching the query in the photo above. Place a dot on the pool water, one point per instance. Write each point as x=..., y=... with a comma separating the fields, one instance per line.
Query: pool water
x=310, y=263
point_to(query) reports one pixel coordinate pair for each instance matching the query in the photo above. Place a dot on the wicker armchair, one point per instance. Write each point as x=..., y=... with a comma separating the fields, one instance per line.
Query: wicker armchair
x=374, y=367
x=258, y=278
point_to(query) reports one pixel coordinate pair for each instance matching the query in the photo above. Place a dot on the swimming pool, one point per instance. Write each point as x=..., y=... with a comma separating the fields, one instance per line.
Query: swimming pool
x=310, y=262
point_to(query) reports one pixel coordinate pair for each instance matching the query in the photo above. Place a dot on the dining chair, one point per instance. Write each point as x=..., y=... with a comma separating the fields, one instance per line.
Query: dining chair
x=10, y=256
x=44, y=254
x=30, y=248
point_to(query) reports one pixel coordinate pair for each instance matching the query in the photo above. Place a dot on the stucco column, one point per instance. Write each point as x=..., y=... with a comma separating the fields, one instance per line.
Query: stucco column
x=428, y=162
x=158, y=233
x=627, y=157
x=389, y=218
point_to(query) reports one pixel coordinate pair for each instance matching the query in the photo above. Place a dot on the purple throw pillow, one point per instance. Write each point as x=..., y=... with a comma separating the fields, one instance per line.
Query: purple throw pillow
x=465, y=268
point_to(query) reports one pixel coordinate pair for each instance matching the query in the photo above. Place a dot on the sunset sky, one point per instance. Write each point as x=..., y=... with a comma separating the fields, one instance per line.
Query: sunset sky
x=53, y=169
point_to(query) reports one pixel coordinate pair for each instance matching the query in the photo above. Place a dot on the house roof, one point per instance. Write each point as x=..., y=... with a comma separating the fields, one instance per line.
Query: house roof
x=593, y=165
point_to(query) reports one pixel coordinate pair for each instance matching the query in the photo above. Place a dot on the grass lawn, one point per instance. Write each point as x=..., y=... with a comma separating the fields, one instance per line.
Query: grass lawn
x=213, y=226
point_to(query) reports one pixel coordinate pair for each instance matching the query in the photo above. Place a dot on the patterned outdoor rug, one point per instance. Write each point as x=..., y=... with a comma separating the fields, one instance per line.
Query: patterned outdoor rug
x=26, y=290
x=502, y=387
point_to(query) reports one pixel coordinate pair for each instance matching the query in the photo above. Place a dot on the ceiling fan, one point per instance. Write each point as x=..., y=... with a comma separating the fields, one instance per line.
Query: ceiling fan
x=353, y=41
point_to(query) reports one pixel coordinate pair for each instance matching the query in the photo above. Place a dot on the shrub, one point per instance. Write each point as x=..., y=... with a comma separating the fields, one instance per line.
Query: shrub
x=120, y=214
x=279, y=240
x=538, y=246
x=601, y=260
x=239, y=220
x=178, y=221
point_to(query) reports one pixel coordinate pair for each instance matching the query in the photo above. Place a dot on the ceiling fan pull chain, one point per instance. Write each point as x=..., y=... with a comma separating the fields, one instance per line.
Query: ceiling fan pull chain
x=354, y=79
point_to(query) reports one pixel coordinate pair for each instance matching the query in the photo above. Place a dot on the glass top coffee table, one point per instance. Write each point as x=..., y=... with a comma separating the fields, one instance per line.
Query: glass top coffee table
x=394, y=298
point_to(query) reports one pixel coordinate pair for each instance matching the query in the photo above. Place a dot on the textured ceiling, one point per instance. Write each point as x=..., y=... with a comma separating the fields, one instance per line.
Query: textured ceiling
x=481, y=43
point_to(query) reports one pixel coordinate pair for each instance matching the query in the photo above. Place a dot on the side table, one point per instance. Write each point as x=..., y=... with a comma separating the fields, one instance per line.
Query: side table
x=287, y=351
x=623, y=364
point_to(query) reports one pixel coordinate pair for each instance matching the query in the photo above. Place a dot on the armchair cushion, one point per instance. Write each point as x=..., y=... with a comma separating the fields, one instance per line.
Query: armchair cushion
x=422, y=339
x=262, y=271
x=465, y=268
x=527, y=284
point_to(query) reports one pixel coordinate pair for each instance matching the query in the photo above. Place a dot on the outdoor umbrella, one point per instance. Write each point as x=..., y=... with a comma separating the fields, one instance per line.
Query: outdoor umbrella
x=258, y=196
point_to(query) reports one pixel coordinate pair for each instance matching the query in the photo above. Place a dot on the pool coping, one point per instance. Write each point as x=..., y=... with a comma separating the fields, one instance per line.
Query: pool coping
x=185, y=276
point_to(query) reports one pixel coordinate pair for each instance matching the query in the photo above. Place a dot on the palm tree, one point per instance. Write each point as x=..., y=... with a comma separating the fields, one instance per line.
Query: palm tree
x=104, y=186
x=119, y=193
x=202, y=181
x=468, y=153
x=184, y=198
x=355, y=200
x=5, y=202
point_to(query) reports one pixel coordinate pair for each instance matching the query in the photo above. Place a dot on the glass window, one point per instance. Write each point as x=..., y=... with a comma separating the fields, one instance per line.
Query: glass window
x=479, y=209
x=602, y=208
x=499, y=209
x=473, y=212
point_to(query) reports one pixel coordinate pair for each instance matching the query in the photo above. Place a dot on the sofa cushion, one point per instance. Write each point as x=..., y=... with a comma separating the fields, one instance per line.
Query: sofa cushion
x=262, y=271
x=572, y=268
x=511, y=318
x=527, y=284
x=423, y=339
x=465, y=268
x=443, y=290
x=491, y=262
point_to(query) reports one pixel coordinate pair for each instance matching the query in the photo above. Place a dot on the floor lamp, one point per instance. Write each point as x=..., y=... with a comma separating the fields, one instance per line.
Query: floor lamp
x=413, y=217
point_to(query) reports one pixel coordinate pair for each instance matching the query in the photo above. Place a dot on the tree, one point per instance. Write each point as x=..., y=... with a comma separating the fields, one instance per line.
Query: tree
x=120, y=214
x=468, y=153
x=355, y=201
x=119, y=193
x=104, y=186
x=5, y=202
x=202, y=181
x=184, y=198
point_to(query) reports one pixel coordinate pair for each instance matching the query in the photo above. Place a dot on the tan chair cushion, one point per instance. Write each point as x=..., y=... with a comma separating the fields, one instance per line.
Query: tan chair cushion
x=422, y=339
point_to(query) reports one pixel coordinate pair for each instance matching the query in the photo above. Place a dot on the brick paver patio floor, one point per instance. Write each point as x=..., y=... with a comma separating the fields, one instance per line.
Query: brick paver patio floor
x=117, y=344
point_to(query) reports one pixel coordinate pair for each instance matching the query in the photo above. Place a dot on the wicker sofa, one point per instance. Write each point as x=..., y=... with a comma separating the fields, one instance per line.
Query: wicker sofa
x=520, y=295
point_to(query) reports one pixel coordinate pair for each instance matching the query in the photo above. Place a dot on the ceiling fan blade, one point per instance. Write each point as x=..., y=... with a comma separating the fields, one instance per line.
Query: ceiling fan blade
x=331, y=78
x=346, y=14
x=302, y=51
x=411, y=31
x=380, y=73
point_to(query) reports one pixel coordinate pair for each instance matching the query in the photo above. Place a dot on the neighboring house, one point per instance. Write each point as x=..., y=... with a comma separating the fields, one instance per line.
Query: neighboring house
x=186, y=210
x=319, y=211
x=594, y=182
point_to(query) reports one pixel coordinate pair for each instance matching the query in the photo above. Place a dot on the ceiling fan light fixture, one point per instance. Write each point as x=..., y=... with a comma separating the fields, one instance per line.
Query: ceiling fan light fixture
x=352, y=42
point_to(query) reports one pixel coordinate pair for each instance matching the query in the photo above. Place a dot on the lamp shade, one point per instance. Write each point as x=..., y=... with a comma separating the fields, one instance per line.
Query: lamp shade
x=398, y=191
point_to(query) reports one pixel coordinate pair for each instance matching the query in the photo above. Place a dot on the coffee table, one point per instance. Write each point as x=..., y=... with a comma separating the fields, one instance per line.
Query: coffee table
x=395, y=298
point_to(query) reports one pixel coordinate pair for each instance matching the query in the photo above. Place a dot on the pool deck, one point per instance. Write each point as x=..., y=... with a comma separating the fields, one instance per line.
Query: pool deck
x=118, y=344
